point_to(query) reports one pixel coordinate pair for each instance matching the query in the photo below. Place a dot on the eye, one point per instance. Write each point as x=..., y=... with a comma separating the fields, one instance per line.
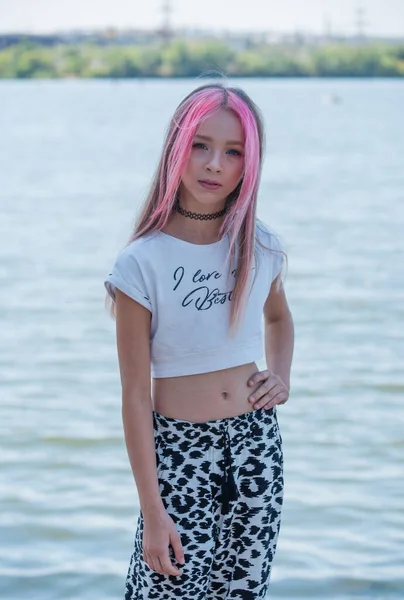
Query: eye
x=198, y=144
x=236, y=151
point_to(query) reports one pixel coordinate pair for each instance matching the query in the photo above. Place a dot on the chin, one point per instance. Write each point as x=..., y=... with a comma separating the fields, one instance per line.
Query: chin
x=208, y=198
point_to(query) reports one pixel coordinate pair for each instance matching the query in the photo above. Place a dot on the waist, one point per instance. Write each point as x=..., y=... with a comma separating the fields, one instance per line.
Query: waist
x=211, y=434
x=205, y=396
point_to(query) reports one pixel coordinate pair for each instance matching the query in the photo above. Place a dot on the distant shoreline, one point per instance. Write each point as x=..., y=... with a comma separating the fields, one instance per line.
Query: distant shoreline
x=202, y=79
x=190, y=59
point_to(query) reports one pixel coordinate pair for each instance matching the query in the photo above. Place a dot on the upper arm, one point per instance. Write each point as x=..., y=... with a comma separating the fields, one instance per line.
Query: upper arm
x=133, y=310
x=127, y=276
x=276, y=305
x=133, y=344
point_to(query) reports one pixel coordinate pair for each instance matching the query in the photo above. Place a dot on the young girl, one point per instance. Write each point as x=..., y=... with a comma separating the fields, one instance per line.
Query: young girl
x=190, y=293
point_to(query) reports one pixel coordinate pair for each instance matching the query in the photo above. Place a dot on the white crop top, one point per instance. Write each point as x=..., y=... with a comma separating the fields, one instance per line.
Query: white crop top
x=183, y=285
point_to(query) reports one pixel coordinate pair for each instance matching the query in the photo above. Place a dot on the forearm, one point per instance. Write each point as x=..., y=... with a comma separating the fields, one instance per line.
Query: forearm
x=137, y=420
x=279, y=345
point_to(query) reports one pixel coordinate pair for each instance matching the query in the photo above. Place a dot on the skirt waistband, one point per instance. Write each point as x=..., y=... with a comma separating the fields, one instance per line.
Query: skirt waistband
x=208, y=434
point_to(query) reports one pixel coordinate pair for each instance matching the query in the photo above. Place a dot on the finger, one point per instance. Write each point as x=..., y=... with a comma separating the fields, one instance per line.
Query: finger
x=167, y=567
x=262, y=402
x=259, y=376
x=151, y=562
x=266, y=387
x=164, y=569
x=178, y=549
x=280, y=398
x=269, y=396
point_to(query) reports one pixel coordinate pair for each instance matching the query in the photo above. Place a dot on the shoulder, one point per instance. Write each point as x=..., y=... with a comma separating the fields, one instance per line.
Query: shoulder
x=268, y=237
x=128, y=271
x=136, y=251
x=140, y=245
x=271, y=245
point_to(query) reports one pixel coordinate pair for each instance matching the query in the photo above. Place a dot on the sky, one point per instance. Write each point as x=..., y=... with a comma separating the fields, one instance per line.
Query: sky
x=382, y=17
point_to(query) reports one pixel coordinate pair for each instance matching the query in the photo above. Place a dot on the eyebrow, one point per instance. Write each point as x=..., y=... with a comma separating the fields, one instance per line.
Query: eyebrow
x=209, y=139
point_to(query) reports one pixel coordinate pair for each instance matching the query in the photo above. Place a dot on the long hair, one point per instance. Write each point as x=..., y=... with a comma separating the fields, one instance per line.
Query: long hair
x=240, y=217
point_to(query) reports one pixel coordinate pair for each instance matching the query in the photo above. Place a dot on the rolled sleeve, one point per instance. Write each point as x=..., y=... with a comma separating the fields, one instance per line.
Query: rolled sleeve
x=126, y=276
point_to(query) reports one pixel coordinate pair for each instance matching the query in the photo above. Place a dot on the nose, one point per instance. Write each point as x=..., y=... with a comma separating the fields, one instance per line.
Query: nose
x=214, y=162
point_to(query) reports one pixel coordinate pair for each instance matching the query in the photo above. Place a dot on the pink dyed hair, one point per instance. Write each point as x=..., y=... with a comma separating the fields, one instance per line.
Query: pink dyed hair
x=240, y=218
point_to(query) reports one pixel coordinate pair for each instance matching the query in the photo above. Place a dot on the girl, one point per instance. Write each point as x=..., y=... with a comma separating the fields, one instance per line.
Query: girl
x=190, y=292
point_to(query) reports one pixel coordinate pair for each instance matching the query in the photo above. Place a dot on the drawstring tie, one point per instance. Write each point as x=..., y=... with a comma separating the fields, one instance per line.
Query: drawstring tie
x=229, y=487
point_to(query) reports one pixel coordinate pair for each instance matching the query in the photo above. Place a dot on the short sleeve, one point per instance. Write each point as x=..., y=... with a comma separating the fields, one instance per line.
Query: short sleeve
x=274, y=249
x=277, y=255
x=126, y=275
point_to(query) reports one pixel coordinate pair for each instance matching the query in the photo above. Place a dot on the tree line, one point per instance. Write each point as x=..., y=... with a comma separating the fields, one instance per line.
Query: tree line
x=191, y=58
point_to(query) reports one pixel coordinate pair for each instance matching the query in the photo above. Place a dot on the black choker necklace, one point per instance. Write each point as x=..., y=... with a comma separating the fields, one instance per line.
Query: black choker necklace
x=202, y=217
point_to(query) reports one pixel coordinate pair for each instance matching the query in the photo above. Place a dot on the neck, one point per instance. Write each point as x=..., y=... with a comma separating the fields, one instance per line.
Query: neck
x=199, y=230
x=187, y=203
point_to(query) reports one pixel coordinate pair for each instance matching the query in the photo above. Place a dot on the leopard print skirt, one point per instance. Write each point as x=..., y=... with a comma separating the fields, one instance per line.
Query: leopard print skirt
x=221, y=482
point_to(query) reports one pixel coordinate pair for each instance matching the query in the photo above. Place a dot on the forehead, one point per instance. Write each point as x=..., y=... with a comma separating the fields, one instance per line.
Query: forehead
x=223, y=125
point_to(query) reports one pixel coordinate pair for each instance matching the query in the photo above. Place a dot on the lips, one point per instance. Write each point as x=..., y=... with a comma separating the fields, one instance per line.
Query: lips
x=209, y=184
x=209, y=181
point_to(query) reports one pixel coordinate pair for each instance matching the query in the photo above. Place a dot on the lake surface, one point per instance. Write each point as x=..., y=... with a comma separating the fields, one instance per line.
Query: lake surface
x=76, y=160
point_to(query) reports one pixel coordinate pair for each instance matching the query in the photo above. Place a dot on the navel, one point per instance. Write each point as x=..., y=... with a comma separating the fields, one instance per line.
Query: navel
x=224, y=395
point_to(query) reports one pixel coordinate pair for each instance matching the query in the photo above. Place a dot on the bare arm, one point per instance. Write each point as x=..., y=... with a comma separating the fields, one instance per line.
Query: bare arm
x=279, y=334
x=133, y=345
x=133, y=342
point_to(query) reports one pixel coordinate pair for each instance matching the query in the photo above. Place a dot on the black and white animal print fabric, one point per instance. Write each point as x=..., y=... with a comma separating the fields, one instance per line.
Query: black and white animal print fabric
x=221, y=482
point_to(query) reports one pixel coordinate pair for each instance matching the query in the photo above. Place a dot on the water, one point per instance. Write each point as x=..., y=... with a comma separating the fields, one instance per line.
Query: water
x=76, y=161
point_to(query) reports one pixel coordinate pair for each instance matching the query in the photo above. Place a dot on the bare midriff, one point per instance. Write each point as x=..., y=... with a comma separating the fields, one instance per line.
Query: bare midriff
x=205, y=396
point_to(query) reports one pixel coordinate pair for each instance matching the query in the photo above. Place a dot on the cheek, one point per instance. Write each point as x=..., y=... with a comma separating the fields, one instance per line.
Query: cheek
x=237, y=171
x=190, y=167
x=187, y=172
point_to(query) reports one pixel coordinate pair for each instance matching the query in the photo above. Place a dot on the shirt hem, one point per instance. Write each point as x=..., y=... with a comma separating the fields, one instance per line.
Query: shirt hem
x=186, y=365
